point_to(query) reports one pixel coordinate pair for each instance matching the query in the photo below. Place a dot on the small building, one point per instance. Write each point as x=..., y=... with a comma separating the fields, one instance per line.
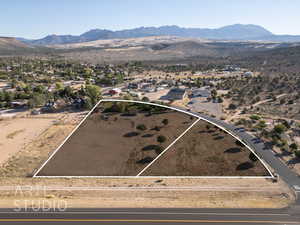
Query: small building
x=201, y=93
x=175, y=94
x=248, y=74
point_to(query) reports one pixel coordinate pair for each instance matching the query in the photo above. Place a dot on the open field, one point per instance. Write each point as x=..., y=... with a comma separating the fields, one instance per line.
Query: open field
x=121, y=139
x=16, y=134
x=206, y=151
x=28, y=140
x=256, y=193
x=110, y=143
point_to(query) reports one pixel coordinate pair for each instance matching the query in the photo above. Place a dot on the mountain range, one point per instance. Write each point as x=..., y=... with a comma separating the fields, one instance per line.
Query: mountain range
x=231, y=32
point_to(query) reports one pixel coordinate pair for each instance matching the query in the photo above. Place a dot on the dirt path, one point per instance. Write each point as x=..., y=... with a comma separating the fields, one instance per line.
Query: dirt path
x=238, y=112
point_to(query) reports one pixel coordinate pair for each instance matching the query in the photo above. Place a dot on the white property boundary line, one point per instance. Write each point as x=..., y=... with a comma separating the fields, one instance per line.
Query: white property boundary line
x=138, y=176
x=184, y=132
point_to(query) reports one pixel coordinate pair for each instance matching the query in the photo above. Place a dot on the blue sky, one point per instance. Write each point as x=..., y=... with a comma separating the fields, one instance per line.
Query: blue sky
x=37, y=18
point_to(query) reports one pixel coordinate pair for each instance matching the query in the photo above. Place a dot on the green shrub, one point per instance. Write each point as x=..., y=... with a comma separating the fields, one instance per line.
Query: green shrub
x=232, y=106
x=293, y=146
x=255, y=117
x=158, y=149
x=145, y=99
x=157, y=128
x=141, y=127
x=165, y=121
x=161, y=139
x=253, y=157
x=279, y=128
x=297, y=153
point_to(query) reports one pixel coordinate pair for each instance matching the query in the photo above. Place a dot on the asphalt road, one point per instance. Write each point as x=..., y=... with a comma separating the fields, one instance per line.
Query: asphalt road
x=152, y=216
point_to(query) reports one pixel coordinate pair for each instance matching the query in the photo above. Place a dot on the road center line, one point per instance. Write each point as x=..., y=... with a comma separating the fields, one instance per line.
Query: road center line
x=149, y=213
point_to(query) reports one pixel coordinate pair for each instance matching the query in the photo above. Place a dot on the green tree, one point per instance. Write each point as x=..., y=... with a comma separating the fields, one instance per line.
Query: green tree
x=213, y=93
x=37, y=100
x=219, y=99
x=93, y=92
x=279, y=128
x=232, y=106
x=297, y=153
x=88, y=103
x=145, y=99
x=59, y=86
x=293, y=146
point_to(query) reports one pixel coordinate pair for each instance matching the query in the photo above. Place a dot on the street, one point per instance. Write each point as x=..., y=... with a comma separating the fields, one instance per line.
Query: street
x=153, y=216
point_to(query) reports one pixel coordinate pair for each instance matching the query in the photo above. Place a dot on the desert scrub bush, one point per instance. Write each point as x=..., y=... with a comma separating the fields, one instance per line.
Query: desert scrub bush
x=253, y=157
x=255, y=117
x=158, y=149
x=279, y=128
x=293, y=146
x=161, y=139
x=297, y=154
x=156, y=128
x=232, y=106
x=165, y=122
x=141, y=127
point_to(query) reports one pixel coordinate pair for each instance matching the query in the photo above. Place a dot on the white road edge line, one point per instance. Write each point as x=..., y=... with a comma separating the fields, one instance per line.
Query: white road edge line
x=99, y=188
x=167, y=148
x=168, y=107
x=149, y=213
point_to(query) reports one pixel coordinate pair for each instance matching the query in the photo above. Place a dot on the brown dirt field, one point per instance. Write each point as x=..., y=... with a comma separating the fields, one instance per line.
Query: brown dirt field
x=113, y=146
x=16, y=134
x=205, y=152
x=23, y=163
x=32, y=152
x=240, y=193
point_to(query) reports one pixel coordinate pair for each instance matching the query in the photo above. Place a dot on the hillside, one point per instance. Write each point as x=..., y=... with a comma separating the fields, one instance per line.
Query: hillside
x=12, y=46
x=9, y=43
x=125, y=42
x=159, y=49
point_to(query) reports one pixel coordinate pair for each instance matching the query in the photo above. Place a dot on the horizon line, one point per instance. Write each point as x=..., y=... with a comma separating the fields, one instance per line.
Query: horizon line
x=144, y=26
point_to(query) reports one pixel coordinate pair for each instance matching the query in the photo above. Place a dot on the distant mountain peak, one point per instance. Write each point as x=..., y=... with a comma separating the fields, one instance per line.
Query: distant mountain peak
x=230, y=32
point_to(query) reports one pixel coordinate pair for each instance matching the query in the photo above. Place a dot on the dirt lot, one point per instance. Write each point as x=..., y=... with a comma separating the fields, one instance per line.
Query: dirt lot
x=200, y=104
x=256, y=193
x=28, y=140
x=111, y=143
x=16, y=133
x=205, y=150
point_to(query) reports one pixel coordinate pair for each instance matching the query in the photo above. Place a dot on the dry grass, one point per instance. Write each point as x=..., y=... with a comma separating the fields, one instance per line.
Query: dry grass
x=273, y=195
x=114, y=146
x=13, y=134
